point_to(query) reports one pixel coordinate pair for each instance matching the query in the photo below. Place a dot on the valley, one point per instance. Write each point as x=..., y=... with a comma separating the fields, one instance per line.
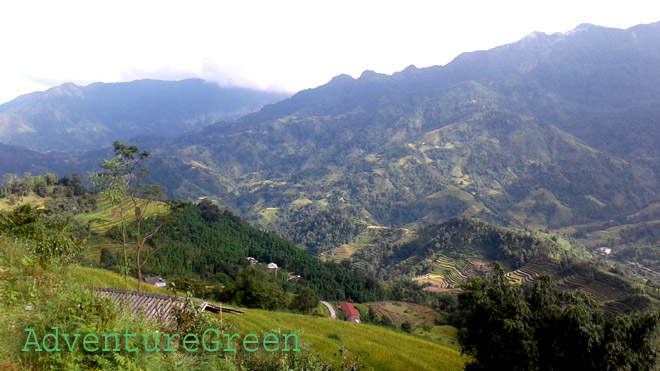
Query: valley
x=518, y=185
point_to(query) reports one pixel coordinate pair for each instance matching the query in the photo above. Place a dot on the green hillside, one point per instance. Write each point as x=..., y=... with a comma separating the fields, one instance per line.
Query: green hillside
x=408, y=157
x=380, y=348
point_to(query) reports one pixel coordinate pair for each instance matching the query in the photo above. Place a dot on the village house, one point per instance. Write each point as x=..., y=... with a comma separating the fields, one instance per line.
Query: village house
x=351, y=314
x=156, y=281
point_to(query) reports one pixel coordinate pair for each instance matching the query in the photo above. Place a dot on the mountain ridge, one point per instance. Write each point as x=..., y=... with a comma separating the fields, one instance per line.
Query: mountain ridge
x=72, y=116
x=534, y=133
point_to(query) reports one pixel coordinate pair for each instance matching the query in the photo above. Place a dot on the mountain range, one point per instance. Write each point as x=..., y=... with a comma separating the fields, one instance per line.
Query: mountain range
x=553, y=131
x=80, y=117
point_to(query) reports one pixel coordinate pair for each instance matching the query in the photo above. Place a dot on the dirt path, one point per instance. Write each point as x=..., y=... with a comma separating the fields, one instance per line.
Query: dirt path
x=330, y=308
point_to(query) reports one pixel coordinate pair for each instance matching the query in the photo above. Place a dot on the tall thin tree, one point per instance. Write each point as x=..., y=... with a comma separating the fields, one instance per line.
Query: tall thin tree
x=121, y=181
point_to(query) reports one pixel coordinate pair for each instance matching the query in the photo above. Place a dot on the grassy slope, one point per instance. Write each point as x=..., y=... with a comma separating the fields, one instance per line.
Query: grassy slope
x=382, y=348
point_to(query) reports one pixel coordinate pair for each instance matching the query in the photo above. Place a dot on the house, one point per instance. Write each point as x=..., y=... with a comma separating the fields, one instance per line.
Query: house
x=351, y=314
x=292, y=276
x=272, y=266
x=156, y=307
x=156, y=281
x=253, y=262
x=604, y=250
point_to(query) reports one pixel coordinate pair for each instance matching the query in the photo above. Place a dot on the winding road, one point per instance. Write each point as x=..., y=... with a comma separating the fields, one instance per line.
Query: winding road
x=330, y=308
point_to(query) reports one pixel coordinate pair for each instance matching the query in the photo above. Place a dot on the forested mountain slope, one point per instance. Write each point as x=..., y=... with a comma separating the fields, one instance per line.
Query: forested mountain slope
x=522, y=135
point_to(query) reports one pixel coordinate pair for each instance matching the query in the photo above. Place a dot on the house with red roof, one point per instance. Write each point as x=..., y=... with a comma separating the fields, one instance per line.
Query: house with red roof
x=351, y=314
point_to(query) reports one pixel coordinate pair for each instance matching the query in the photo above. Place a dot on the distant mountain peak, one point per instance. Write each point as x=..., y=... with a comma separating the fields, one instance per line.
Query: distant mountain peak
x=370, y=75
x=343, y=78
x=67, y=88
x=534, y=35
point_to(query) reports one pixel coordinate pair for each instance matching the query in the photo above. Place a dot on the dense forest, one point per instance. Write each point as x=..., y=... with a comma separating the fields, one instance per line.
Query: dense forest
x=213, y=245
x=505, y=326
x=469, y=237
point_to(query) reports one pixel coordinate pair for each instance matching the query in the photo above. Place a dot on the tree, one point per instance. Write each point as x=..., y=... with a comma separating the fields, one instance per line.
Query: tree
x=8, y=180
x=51, y=179
x=305, y=301
x=254, y=289
x=371, y=315
x=121, y=179
x=496, y=324
x=39, y=186
x=107, y=259
x=210, y=212
x=75, y=183
x=503, y=328
x=406, y=327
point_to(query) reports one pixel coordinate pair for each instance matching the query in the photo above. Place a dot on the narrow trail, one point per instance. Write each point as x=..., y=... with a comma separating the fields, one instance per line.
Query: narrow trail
x=330, y=308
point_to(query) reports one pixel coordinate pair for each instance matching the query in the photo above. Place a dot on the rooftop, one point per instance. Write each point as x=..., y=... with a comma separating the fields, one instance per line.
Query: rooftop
x=157, y=306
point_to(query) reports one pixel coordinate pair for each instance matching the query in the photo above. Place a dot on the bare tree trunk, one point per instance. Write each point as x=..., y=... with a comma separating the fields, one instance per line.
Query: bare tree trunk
x=139, y=269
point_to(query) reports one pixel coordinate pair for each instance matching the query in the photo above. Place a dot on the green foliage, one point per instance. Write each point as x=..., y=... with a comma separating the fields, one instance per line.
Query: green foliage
x=316, y=228
x=47, y=239
x=209, y=211
x=335, y=336
x=41, y=297
x=120, y=179
x=190, y=244
x=254, y=289
x=67, y=195
x=305, y=300
x=507, y=329
x=107, y=259
x=33, y=296
x=188, y=284
x=303, y=360
x=460, y=239
x=468, y=237
x=378, y=347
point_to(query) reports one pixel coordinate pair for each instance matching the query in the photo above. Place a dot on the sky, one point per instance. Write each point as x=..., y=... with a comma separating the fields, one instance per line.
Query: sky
x=268, y=45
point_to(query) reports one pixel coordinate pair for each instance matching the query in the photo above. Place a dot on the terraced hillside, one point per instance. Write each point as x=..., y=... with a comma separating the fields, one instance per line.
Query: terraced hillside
x=448, y=274
x=108, y=215
x=529, y=272
x=367, y=245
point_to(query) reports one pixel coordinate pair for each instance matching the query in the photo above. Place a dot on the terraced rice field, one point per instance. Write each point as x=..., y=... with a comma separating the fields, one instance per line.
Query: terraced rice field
x=598, y=291
x=400, y=312
x=449, y=274
x=529, y=272
x=107, y=215
x=381, y=348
